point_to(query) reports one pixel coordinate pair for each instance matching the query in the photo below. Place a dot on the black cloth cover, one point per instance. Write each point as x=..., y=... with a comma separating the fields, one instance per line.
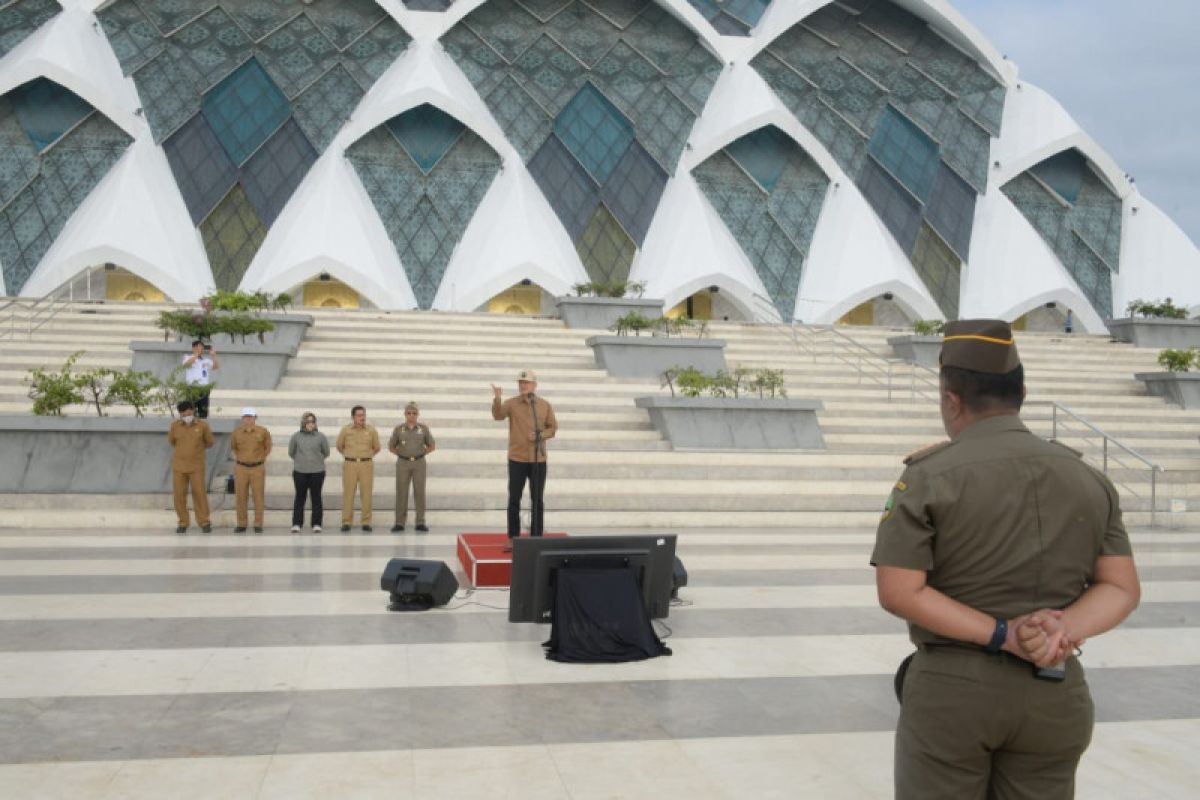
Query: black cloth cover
x=599, y=618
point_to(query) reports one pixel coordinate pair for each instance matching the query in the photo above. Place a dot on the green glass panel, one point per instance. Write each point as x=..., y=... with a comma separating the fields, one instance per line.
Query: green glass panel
x=605, y=248
x=939, y=269
x=232, y=234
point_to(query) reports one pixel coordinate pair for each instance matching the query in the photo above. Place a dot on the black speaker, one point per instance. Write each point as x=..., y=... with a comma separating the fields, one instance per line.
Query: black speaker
x=678, y=578
x=417, y=585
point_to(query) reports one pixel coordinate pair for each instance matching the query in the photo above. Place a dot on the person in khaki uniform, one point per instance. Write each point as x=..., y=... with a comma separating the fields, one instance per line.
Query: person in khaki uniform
x=1003, y=552
x=531, y=422
x=251, y=445
x=411, y=441
x=190, y=437
x=358, y=443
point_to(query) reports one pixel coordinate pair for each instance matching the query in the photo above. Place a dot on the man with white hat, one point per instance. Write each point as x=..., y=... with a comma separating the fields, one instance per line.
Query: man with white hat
x=251, y=445
x=530, y=423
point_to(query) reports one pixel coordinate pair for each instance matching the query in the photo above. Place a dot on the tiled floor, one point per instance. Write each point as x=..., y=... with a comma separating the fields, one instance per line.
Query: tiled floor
x=144, y=664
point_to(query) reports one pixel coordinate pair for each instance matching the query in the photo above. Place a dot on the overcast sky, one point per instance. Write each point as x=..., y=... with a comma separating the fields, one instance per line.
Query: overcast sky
x=1128, y=72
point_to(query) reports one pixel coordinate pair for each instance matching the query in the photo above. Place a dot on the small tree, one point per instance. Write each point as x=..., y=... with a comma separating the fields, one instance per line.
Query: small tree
x=633, y=321
x=768, y=383
x=175, y=388
x=51, y=392
x=95, y=382
x=136, y=389
x=1178, y=360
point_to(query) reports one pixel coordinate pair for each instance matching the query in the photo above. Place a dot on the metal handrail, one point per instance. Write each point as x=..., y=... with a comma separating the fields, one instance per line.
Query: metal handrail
x=882, y=369
x=1106, y=451
x=9, y=330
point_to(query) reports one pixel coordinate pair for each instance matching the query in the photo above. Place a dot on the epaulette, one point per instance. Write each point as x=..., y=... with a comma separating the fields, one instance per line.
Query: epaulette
x=926, y=452
x=1070, y=450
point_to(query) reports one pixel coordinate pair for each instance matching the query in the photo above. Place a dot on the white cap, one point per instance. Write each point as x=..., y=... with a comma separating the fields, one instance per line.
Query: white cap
x=249, y=411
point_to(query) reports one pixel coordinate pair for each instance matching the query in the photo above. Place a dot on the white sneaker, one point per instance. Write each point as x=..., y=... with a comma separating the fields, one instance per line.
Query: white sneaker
x=295, y=529
x=316, y=528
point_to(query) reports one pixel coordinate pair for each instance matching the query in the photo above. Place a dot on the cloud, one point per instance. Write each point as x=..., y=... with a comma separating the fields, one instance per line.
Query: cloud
x=1125, y=71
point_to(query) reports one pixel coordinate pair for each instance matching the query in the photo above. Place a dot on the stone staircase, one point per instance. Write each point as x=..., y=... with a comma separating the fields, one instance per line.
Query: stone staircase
x=609, y=468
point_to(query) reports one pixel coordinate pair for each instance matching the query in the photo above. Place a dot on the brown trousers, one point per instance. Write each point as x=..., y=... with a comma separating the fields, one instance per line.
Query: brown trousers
x=195, y=480
x=360, y=476
x=981, y=726
x=245, y=481
x=410, y=472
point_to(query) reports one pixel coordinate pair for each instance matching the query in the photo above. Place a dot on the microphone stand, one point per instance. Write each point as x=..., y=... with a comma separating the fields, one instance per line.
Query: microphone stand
x=537, y=448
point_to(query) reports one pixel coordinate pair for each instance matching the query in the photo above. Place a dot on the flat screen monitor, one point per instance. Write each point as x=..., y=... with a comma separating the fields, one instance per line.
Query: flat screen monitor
x=537, y=560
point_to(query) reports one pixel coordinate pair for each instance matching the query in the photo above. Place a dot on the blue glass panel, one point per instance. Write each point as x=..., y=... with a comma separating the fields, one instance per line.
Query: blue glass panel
x=594, y=131
x=633, y=191
x=276, y=169
x=748, y=11
x=951, y=211
x=244, y=109
x=1063, y=173
x=427, y=133
x=896, y=207
x=906, y=152
x=763, y=153
x=46, y=110
x=428, y=5
x=566, y=185
x=202, y=169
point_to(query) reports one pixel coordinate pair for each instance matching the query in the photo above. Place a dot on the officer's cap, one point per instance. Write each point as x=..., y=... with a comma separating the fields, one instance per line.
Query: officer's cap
x=527, y=375
x=249, y=411
x=412, y=406
x=980, y=345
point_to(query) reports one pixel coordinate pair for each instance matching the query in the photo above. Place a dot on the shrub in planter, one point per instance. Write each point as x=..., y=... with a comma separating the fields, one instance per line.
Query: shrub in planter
x=692, y=382
x=1156, y=309
x=1179, y=360
x=104, y=387
x=928, y=327
x=610, y=289
x=633, y=321
x=51, y=392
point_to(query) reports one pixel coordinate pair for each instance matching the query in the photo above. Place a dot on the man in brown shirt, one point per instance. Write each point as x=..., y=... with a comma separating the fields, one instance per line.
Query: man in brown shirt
x=358, y=443
x=251, y=446
x=1002, y=551
x=190, y=437
x=530, y=423
x=411, y=441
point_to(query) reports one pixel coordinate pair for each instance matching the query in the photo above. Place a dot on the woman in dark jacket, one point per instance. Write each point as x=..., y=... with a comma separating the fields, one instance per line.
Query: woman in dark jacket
x=308, y=449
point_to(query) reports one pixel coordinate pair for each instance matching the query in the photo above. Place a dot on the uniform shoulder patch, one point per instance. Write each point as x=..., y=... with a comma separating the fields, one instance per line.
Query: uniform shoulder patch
x=926, y=452
x=1070, y=450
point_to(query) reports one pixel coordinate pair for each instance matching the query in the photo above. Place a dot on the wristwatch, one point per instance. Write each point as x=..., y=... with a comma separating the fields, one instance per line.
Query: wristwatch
x=999, y=635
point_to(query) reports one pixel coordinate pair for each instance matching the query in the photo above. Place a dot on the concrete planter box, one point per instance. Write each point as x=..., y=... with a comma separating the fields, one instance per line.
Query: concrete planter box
x=920, y=350
x=95, y=455
x=651, y=356
x=1175, y=333
x=601, y=313
x=1180, y=388
x=290, y=330
x=736, y=424
x=243, y=366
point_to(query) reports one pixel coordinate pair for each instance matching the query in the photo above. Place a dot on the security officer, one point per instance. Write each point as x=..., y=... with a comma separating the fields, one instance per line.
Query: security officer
x=411, y=441
x=251, y=445
x=1003, y=552
x=358, y=443
x=531, y=422
x=190, y=437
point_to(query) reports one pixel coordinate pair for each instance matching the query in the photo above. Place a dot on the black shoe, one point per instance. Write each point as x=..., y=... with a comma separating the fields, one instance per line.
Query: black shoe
x=240, y=529
x=345, y=529
x=207, y=528
x=398, y=528
x=258, y=529
x=181, y=529
x=423, y=528
x=366, y=528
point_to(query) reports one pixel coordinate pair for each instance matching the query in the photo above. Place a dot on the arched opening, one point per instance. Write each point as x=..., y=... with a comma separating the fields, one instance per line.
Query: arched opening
x=1048, y=318
x=121, y=284
x=326, y=291
x=882, y=310
x=709, y=304
x=525, y=297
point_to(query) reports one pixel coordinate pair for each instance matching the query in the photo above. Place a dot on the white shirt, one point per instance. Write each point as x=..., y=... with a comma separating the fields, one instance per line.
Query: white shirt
x=197, y=374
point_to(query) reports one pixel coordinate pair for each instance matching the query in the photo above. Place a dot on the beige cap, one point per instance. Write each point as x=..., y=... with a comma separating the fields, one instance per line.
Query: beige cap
x=527, y=375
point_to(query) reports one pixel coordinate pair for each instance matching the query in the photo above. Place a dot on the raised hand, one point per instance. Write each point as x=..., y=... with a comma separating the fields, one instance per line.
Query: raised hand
x=495, y=390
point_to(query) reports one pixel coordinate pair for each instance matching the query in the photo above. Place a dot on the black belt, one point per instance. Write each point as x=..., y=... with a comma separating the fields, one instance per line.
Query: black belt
x=412, y=458
x=356, y=459
x=250, y=466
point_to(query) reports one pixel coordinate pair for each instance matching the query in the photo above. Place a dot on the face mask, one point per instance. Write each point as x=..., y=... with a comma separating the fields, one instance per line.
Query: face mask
x=188, y=420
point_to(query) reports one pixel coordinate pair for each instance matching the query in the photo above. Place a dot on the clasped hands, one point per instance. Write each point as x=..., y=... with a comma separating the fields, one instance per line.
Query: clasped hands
x=1041, y=637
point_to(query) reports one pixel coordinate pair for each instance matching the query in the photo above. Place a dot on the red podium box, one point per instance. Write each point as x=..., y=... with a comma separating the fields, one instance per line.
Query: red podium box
x=484, y=559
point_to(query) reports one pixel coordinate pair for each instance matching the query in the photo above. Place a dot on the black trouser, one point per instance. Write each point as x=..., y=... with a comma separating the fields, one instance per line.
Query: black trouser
x=308, y=483
x=202, y=403
x=518, y=473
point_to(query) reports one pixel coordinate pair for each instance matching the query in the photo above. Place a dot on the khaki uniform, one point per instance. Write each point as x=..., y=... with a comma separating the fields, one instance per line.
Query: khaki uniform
x=250, y=449
x=526, y=462
x=410, y=467
x=1007, y=524
x=358, y=447
x=188, y=468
